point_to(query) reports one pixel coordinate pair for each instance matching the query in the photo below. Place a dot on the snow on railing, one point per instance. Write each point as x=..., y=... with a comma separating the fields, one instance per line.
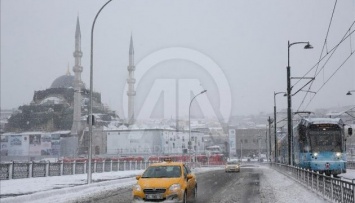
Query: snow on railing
x=331, y=188
x=17, y=170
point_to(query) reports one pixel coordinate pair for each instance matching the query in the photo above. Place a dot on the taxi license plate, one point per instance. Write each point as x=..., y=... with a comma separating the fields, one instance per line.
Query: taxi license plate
x=154, y=196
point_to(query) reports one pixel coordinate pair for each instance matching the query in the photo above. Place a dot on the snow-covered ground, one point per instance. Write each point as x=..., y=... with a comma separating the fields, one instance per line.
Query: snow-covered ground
x=72, y=187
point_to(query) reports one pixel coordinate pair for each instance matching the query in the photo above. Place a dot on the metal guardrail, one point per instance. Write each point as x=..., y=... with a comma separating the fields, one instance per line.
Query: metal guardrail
x=350, y=165
x=330, y=188
x=17, y=170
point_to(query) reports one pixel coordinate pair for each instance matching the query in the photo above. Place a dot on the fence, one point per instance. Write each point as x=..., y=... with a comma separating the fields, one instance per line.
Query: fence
x=333, y=189
x=350, y=165
x=16, y=170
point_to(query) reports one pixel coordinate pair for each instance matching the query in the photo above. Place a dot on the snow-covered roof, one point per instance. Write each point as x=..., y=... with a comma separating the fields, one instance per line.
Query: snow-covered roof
x=61, y=132
x=55, y=100
x=323, y=120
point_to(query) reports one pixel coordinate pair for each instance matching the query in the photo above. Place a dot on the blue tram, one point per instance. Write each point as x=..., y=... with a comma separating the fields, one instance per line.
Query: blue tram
x=319, y=144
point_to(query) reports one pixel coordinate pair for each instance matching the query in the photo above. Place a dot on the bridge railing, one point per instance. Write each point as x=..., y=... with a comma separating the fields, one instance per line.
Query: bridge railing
x=17, y=170
x=350, y=165
x=331, y=188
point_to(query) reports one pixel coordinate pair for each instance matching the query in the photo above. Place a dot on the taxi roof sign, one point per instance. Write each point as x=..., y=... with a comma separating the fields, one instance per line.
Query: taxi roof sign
x=167, y=160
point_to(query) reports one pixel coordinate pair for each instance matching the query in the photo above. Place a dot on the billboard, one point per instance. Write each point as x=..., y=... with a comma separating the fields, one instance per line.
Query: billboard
x=4, y=141
x=46, y=144
x=15, y=145
x=35, y=145
x=232, y=143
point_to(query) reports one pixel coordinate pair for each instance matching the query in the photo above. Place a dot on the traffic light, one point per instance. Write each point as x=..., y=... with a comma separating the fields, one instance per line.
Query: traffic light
x=350, y=131
x=93, y=120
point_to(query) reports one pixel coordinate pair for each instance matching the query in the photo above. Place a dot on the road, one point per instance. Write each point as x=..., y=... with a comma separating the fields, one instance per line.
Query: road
x=213, y=187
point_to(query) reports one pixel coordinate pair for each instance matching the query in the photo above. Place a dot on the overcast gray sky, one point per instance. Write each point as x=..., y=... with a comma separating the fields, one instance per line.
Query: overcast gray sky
x=246, y=40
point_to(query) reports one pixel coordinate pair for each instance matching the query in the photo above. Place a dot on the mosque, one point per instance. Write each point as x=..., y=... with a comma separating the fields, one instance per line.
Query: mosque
x=55, y=122
x=63, y=106
x=61, y=110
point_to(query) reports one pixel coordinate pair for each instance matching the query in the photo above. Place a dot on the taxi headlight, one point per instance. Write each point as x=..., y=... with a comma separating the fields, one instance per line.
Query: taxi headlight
x=175, y=187
x=315, y=154
x=137, y=188
x=338, y=154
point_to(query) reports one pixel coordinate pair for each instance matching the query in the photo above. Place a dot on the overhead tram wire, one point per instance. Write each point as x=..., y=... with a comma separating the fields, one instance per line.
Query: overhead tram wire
x=320, y=57
x=332, y=76
x=325, y=42
x=336, y=49
x=324, y=57
x=331, y=52
x=324, y=83
x=326, y=36
x=333, y=49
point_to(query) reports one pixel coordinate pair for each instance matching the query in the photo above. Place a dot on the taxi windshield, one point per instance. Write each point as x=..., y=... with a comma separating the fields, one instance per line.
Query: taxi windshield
x=232, y=162
x=162, y=172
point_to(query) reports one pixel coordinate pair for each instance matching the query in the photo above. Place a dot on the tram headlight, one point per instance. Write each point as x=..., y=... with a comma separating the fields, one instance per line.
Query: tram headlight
x=315, y=154
x=338, y=154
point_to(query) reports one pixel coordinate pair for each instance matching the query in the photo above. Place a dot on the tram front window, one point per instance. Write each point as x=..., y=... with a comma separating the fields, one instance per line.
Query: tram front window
x=325, y=141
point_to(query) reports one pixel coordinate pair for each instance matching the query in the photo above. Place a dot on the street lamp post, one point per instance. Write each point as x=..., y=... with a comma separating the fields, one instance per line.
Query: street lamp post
x=189, y=144
x=89, y=174
x=275, y=122
x=289, y=106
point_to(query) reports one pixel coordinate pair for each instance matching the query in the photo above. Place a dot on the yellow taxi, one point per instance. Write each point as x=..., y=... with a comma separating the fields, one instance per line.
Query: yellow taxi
x=166, y=181
x=232, y=166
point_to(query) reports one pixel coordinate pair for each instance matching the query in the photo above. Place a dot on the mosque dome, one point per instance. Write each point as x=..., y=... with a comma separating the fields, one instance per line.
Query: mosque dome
x=64, y=81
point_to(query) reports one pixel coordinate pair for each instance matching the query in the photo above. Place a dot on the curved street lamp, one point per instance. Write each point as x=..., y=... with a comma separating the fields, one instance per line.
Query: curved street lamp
x=289, y=119
x=349, y=92
x=189, y=143
x=89, y=175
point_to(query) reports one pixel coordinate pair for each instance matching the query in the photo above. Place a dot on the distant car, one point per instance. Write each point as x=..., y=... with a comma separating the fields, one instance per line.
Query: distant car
x=232, y=166
x=171, y=181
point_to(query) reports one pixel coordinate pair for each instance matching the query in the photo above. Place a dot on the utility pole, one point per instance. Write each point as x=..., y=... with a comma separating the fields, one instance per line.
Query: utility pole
x=270, y=120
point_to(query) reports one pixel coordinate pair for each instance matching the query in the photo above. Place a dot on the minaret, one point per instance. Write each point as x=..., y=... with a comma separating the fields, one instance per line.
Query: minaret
x=77, y=81
x=130, y=81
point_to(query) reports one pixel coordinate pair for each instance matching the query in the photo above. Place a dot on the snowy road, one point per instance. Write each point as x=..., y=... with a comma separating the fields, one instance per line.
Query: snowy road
x=253, y=184
x=213, y=187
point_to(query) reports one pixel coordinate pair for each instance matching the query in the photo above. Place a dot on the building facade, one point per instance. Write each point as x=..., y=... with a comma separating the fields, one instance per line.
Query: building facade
x=157, y=141
x=250, y=143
